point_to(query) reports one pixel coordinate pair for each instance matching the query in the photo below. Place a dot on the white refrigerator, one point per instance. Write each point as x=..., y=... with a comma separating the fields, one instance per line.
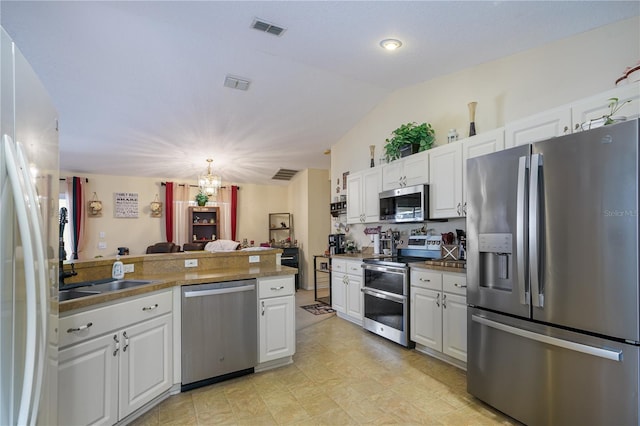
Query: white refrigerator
x=29, y=188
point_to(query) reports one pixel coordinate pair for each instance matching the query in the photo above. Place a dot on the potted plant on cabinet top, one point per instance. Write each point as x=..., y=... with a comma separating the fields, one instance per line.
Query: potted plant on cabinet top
x=408, y=139
x=606, y=119
x=202, y=198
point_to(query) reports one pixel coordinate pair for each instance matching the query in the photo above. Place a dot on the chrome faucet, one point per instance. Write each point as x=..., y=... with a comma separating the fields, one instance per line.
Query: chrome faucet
x=63, y=254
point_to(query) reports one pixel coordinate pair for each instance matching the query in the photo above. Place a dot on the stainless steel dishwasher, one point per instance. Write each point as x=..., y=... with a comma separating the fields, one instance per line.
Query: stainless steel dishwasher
x=219, y=332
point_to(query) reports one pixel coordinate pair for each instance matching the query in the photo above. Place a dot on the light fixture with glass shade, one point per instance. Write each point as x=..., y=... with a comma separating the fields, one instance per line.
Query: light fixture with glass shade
x=209, y=183
x=390, y=44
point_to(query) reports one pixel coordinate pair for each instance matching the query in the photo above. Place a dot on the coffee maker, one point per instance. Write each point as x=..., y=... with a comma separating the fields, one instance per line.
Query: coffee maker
x=336, y=243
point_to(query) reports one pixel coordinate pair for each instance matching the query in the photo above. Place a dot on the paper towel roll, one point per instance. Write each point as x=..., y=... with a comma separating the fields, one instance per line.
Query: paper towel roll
x=376, y=243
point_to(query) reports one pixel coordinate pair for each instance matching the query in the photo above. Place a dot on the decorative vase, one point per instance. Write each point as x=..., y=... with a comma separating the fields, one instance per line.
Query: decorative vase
x=472, y=118
x=202, y=203
x=372, y=149
x=409, y=149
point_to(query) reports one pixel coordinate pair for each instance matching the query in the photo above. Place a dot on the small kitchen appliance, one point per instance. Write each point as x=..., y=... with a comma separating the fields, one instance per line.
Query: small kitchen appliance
x=403, y=205
x=336, y=243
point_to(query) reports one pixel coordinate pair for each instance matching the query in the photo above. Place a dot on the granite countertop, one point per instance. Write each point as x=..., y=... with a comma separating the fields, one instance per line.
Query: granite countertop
x=167, y=280
x=459, y=266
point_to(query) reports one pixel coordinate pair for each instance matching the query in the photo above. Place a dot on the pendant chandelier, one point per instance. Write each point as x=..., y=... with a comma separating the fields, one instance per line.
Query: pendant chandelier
x=209, y=183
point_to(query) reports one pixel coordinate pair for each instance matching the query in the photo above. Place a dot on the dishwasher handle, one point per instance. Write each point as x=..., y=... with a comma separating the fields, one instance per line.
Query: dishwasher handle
x=216, y=291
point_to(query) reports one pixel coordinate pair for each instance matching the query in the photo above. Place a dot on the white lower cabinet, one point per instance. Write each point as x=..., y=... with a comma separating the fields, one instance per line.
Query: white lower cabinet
x=276, y=321
x=114, y=359
x=438, y=317
x=346, y=289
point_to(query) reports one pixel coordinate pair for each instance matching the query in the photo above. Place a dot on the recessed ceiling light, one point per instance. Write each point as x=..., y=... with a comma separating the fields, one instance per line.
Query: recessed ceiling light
x=390, y=44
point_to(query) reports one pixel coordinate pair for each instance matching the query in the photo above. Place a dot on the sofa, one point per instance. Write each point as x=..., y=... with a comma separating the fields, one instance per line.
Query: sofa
x=165, y=247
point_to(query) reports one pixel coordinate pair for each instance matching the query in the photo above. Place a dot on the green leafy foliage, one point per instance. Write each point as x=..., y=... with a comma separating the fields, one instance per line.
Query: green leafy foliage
x=201, y=198
x=422, y=135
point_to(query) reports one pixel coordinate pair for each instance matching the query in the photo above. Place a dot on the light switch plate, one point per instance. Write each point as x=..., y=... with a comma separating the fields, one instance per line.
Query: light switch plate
x=190, y=263
x=102, y=245
x=254, y=259
x=128, y=267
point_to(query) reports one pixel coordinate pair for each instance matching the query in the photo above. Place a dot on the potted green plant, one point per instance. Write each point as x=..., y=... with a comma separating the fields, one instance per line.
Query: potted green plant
x=409, y=138
x=202, y=198
x=606, y=119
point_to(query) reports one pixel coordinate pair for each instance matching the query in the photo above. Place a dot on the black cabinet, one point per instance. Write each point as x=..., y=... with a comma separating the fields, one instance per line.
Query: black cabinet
x=291, y=257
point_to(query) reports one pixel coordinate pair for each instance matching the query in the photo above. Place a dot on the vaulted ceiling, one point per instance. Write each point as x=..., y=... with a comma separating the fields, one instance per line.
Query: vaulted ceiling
x=139, y=85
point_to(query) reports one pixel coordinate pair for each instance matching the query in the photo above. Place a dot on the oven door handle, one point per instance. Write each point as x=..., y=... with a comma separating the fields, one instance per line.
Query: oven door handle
x=384, y=295
x=390, y=269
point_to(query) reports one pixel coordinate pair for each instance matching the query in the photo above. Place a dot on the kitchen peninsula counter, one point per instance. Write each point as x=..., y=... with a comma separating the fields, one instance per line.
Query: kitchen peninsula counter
x=169, y=270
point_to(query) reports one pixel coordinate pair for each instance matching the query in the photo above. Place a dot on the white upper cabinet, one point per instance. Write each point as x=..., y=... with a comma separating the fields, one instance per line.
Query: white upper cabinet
x=445, y=181
x=549, y=124
x=475, y=146
x=363, y=189
x=408, y=171
x=595, y=107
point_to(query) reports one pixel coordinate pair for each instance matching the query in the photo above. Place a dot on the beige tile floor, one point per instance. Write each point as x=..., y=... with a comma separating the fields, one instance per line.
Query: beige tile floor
x=341, y=375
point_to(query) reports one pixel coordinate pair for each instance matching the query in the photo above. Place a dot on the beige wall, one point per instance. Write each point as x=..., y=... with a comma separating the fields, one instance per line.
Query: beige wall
x=506, y=89
x=255, y=202
x=309, y=200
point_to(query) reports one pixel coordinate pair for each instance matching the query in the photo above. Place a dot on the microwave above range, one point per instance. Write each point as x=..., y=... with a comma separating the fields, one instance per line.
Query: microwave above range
x=408, y=204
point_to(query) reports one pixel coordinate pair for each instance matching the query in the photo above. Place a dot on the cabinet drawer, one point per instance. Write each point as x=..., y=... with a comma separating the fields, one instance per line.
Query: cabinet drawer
x=276, y=286
x=354, y=268
x=88, y=324
x=454, y=283
x=426, y=279
x=338, y=265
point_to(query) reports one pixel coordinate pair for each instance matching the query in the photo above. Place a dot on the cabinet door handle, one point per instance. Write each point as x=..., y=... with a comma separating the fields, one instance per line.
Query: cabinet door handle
x=117, y=345
x=426, y=280
x=460, y=285
x=464, y=208
x=150, y=308
x=459, y=209
x=82, y=327
x=444, y=301
x=126, y=341
x=262, y=308
x=277, y=288
x=438, y=300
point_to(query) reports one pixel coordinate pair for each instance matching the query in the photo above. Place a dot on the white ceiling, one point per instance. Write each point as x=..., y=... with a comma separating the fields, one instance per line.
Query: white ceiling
x=139, y=84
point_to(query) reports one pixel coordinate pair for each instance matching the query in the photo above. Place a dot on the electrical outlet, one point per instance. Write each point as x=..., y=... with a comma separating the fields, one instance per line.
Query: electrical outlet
x=102, y=245
x=190, y=263
x=254, y=259
x=128, y=267
x=101, y=234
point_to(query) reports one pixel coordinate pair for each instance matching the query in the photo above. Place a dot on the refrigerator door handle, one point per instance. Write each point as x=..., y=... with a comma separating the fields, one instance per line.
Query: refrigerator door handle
x=609, y=354
x=24, y=226
x=41, y=276
x=537, y=296
x=521, y=206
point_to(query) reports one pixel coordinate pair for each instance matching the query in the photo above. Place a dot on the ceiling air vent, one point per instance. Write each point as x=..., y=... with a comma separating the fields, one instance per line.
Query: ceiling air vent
x=236, y=83
x=284, y=174
x=267, y=27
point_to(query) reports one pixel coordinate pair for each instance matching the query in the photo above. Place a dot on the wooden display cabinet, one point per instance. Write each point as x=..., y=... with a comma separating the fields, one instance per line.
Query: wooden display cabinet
x=204, y=223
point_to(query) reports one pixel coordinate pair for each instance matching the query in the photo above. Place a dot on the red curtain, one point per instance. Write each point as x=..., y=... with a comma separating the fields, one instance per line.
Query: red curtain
x=234, y=209
x=168, y=202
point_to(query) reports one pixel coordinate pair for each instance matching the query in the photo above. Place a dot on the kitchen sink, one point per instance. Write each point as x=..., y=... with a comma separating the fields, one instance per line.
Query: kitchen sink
x=116, y=285
x=98, y=288
x=74, y=294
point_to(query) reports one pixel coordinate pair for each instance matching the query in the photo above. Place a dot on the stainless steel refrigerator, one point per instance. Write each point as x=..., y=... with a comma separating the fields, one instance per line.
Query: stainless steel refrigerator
x=29, y=190
x=552, y=275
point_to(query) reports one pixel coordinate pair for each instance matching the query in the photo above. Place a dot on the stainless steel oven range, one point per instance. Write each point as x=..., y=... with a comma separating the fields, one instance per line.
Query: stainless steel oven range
x=386, y=294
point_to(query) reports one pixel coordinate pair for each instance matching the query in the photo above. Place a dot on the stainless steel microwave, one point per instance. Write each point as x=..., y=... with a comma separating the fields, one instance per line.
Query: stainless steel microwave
x=408, y=204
